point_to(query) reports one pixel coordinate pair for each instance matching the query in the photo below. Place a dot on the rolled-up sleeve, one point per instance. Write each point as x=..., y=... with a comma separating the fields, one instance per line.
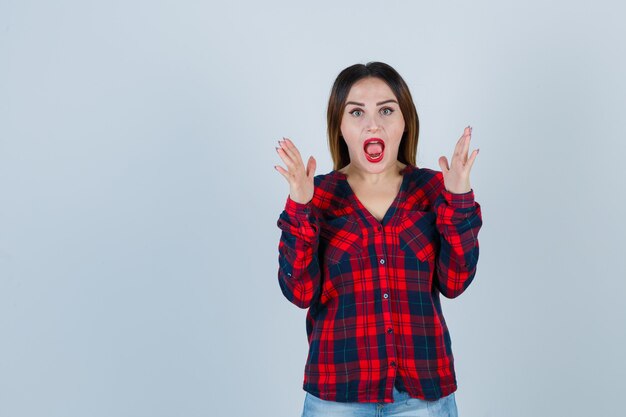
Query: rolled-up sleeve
x=459, y=219
x=298, y=271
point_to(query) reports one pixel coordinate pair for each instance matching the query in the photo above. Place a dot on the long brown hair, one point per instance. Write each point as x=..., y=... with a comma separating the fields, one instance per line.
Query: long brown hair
x=337, y=100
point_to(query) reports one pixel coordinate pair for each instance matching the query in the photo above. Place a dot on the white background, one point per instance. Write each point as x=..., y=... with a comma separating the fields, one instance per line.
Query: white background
x=138, y=198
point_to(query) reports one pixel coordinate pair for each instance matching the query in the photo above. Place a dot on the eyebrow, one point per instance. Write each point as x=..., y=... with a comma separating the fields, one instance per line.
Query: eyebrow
x=378, y=104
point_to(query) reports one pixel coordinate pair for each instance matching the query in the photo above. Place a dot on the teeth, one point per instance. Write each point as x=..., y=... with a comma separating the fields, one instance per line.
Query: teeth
x=375, y=156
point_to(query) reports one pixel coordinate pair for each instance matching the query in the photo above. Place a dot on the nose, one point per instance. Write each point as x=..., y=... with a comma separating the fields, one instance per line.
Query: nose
x=372, y=124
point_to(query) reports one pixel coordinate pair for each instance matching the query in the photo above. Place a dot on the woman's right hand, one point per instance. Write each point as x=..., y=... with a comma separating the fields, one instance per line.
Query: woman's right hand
x=300, y=180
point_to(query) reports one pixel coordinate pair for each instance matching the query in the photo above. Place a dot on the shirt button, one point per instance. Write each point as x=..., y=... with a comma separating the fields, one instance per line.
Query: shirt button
x=382, y=261
x=385, y=295
x=380, y=228
x=390, y=330
x=393, y=364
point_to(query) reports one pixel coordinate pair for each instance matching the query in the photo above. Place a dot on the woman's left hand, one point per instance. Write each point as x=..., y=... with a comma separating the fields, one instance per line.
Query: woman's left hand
x=456, y=175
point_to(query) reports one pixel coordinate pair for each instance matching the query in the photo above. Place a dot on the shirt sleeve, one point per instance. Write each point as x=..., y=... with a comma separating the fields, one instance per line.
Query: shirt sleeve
x=299, y=271
x=458, y=221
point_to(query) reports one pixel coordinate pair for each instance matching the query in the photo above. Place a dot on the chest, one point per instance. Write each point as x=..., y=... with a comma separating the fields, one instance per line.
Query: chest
x=377, y=200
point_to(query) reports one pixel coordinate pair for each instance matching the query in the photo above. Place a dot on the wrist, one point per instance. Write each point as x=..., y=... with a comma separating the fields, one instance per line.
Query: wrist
x=459, y=200
x=465, y=191
x=299, y=200
x=297, y=209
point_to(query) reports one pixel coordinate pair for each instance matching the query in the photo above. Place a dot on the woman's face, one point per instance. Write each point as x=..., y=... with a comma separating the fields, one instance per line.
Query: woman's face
x=372, y=125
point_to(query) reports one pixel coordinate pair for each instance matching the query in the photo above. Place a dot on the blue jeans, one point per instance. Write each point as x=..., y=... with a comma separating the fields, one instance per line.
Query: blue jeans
x=403, y=406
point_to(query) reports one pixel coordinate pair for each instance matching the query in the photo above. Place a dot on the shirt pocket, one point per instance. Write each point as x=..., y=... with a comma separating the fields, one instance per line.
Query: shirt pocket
x=417, y=235
x=343, y=238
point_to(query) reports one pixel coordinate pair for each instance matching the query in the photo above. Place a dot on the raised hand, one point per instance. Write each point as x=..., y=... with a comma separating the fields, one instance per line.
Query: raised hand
x=300, y=180
x=456, y=175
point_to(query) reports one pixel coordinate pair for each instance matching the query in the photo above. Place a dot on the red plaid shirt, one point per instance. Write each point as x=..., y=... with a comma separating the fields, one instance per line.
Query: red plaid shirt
x=372, y=287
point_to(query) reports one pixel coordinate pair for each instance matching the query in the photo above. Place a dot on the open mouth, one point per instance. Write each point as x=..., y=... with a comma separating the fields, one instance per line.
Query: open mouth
x=374, y=149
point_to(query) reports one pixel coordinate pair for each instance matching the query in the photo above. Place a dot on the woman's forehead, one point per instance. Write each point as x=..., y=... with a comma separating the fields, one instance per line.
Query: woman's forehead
x=370, y=89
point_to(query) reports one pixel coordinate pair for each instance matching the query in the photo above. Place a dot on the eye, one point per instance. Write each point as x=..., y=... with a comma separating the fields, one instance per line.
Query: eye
x=387, y=108
x=354, y=111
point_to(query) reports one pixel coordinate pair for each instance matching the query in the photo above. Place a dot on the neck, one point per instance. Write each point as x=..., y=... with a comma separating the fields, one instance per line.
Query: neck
x=390, y=174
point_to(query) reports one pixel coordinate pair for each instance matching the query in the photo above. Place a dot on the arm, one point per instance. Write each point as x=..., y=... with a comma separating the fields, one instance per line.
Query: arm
x=458, y=221
x=298, y=272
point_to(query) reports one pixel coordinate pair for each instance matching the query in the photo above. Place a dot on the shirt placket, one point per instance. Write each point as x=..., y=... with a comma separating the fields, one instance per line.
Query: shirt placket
x=380, y=235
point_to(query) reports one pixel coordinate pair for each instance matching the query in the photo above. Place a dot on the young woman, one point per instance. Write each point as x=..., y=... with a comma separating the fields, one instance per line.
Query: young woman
x=368, y=248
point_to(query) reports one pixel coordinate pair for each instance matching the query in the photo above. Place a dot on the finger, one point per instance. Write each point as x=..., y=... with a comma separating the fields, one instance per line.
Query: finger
x=466, y=143
x=292, y=151
x=310, y=167
x=458, y=147
x=294, y=163
x=286, y=159
x=282, y=172
x=293, y=170
x=443, y=163
x=460, y=150
x=283, y=146
x=472, y=158
x=292, y=147
x=289, y=152
x=461, y=141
